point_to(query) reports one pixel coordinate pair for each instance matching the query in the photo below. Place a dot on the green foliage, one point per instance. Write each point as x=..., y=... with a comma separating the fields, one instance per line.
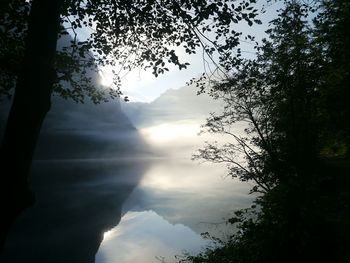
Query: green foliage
x=13, y=25
x=127, y=34
x=333, y=39
x=272, y=95
x=295, y=146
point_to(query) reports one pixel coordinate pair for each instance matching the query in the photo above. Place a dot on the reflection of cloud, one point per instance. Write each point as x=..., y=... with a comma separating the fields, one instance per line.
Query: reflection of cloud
x=142, y=236
x=184, y=192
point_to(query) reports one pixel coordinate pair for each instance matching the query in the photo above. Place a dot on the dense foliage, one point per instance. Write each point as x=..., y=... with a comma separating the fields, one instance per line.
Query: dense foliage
x=294, y=98
x=124, y=35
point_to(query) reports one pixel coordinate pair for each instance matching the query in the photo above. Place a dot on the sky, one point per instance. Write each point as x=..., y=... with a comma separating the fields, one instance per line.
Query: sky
x=140, y=85
x=143, y=86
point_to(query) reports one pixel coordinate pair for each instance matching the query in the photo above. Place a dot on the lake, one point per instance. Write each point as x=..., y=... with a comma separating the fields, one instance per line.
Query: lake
x=132, y=209
x=173, y=203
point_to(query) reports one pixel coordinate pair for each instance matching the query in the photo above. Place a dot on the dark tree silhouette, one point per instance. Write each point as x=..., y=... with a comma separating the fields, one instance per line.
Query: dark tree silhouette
x=30, y=105
x=296, y=144
x=128, y=33
x=271, y=94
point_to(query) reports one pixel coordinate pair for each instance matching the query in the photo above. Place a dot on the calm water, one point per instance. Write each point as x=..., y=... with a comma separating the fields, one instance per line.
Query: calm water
x=144, y=209
x=174, y=202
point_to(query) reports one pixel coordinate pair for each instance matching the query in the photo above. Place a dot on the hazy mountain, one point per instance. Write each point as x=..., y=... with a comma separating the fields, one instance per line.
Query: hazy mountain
x=76, y=130
x=172, y=105
x=86, y=131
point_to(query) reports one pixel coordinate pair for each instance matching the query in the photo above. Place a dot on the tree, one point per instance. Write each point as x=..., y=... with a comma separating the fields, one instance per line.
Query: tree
x=332, y=36
x=30, y=104
x=244, y=96
x=272, y=95
x=132, y=34
x=296, y=142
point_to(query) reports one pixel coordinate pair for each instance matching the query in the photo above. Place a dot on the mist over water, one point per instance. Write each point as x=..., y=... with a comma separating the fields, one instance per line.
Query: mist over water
x=176, y=199
x=109, y=190
x=173, y=203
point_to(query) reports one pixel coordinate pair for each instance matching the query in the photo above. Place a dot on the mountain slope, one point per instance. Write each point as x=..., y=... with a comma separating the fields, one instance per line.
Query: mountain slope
x=172, y=105
x=76, y=130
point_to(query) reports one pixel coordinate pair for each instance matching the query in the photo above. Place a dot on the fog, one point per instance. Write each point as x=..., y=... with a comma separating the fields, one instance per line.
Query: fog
x=176, y=199
x=126, y=180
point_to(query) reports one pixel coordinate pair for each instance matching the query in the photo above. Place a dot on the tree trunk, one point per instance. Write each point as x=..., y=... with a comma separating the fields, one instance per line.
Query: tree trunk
x=30, y=105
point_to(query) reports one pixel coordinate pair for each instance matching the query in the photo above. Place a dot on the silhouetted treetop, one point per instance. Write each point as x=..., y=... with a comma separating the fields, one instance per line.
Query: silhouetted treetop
x=13, y=27
x=129, y=34
x=292, y=103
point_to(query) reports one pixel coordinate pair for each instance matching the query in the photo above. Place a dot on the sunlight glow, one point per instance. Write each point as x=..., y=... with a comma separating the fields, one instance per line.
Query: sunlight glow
x=143, y=86
x=106, y=79
x=109, y=234
x=170, y=131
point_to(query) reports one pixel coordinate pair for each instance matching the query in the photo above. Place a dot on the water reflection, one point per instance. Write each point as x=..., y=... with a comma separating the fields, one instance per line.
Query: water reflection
x=185, y=192
x=77, y=201
x=174, y=202
x=144, y=237
x=163, y=204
